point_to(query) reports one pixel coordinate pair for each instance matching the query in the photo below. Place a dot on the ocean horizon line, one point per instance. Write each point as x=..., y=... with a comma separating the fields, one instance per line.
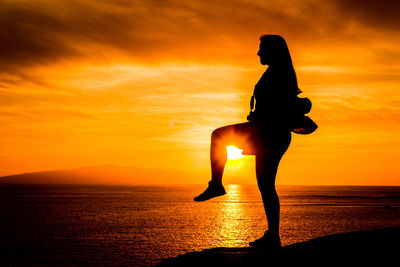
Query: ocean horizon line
x=193, y=184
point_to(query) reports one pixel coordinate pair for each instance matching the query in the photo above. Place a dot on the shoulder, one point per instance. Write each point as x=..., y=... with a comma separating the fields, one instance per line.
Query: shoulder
x=265, y=78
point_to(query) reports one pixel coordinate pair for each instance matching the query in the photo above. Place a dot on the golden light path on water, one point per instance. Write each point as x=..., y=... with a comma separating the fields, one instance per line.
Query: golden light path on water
x=231, y=218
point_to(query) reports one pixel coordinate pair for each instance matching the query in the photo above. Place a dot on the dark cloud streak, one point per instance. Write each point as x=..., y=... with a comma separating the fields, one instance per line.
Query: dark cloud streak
x=382, y=14
x=45, y=32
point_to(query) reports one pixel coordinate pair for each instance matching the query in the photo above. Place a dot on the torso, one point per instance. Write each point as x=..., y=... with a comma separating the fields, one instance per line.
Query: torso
x=274, y=101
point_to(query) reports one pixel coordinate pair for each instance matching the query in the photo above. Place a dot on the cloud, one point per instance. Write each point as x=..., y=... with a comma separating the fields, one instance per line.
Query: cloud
x=46, y=32
x=383, y=14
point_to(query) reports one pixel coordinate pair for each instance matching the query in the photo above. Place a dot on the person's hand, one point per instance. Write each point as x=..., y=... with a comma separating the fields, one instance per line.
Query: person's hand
x=251, y=116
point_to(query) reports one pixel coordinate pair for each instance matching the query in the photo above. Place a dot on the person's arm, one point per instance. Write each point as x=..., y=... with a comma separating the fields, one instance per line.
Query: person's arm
x=251, y=116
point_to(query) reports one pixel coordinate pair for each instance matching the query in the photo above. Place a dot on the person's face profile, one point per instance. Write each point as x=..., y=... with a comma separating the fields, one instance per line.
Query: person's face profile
x=262, y=53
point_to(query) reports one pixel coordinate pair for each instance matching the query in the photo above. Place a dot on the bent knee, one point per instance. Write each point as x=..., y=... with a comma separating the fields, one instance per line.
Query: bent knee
x=219, y=132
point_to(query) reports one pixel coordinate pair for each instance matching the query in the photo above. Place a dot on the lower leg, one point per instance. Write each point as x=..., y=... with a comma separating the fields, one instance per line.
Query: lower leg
x=272, y=210
x=218, y=158
x=271, y=237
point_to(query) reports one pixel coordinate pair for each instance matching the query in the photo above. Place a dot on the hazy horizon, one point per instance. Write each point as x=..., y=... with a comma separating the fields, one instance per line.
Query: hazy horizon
x=114, y=175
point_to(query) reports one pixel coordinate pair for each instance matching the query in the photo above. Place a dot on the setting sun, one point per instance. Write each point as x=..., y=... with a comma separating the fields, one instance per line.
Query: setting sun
x=234, y=152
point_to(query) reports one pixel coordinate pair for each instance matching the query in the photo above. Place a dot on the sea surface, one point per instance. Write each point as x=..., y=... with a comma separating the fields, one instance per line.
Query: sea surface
x=141, y=225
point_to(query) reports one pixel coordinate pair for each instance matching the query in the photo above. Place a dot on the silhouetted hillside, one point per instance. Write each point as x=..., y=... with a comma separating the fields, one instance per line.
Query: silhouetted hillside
x=107, y=174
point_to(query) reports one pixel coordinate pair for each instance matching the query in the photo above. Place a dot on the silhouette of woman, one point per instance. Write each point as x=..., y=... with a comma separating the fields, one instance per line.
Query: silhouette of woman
x=267, y=134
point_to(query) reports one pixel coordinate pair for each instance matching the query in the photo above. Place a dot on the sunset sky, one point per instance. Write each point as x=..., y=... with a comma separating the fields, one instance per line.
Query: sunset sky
x=144, y=83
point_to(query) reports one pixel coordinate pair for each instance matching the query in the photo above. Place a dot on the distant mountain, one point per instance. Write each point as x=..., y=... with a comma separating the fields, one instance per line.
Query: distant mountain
x=106, y=174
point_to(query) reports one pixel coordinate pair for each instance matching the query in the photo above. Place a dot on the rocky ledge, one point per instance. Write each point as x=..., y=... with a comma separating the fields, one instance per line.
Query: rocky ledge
x=380, y=247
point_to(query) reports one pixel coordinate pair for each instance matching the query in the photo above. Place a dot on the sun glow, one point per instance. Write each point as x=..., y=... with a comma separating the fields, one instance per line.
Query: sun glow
x=234, y=152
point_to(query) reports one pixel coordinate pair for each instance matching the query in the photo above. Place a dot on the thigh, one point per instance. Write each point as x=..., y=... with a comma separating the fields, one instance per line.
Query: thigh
x=245, y=136
x=269, y=156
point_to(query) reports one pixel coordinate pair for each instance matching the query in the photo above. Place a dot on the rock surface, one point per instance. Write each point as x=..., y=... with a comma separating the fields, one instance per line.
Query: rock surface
x=379, y=247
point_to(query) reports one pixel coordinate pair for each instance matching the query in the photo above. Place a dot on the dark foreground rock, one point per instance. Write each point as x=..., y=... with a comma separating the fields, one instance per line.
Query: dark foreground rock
x=379, y=247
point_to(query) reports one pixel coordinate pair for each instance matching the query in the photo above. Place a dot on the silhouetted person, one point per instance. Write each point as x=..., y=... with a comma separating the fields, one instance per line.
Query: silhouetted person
x=267, y=134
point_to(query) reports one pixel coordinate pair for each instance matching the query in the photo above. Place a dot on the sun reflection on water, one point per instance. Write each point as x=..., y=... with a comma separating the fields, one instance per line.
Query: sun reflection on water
x=231, y=218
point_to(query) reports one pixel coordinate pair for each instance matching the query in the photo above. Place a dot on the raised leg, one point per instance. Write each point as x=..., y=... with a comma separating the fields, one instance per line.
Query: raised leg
x=220, y=138
x=218, y=157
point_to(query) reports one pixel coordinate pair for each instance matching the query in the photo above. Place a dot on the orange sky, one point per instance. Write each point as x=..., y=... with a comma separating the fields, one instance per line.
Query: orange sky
x=143, y=83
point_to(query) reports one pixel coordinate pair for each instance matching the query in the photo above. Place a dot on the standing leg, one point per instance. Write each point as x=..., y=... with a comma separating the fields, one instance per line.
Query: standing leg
x=266, y=168
x=267, y=162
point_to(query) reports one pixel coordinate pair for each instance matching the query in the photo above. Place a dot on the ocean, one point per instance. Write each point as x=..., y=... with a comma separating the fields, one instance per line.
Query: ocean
x=141, y=225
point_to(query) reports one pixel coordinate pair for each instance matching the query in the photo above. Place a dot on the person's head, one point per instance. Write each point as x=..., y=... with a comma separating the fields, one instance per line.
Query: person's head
x=274, y=51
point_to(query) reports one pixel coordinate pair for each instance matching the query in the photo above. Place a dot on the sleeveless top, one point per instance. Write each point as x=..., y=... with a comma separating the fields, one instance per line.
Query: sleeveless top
x=278, y=107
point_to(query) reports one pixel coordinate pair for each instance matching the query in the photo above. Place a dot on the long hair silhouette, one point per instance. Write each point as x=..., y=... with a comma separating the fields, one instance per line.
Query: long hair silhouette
x=281, y=58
